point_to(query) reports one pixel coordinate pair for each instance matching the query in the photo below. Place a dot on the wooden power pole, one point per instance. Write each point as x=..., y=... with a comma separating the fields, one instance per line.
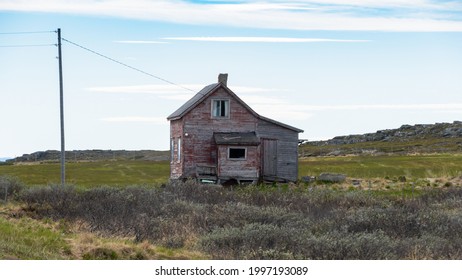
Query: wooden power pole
x=61, y=111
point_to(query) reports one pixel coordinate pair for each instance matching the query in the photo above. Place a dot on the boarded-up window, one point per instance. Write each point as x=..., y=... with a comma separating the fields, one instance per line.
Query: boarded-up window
x=237, y=153
x=220, y=108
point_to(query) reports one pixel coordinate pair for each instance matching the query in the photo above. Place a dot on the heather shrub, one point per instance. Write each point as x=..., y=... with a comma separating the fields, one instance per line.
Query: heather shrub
x=265, y=222
x=243, y=243
x=10, y=187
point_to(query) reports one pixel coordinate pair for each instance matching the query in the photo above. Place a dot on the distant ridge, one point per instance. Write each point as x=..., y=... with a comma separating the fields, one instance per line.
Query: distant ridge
x=93, y=155
x=408, y=139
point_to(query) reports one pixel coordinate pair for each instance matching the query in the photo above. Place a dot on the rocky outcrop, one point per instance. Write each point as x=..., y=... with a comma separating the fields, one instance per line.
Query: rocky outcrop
x=93, y=155
x=404, y=133
x=408, y=139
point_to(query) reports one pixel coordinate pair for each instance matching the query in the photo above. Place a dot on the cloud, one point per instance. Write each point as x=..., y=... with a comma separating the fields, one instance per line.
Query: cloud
x=149, y=89
x=360, y=15
x=284, y=110
x=261, y=39
x=140, y=42
x=136, y=119
x=264, y=101
x=442, y=106
x=179, y=93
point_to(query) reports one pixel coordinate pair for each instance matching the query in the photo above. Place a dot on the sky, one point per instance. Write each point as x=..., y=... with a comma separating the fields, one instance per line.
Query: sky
x=329, y=67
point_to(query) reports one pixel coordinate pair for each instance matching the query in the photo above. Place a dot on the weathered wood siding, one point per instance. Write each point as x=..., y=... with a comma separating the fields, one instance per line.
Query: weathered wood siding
x=248, y=168
x=287, y=145
x=199, y=146
x=176, y=164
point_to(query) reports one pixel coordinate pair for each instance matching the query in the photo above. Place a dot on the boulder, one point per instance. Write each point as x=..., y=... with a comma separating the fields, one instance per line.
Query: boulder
x=332, y=177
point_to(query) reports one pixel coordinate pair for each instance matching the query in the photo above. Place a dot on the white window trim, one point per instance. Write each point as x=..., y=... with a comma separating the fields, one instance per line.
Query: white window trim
x=172, y=150
x=179, y=150
x=245, y=153
x=228, y=108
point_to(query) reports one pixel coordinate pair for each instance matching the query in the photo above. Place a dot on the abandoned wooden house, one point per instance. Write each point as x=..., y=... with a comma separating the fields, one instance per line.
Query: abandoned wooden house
x=216, y=137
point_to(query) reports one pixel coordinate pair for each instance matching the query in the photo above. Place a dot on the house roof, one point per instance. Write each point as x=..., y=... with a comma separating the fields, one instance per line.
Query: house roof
x=236, y=138
x=191, y=103
x=208, y=90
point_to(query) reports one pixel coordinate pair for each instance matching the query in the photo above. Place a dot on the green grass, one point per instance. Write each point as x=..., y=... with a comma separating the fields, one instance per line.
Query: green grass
x=414, y=167
x=91, y=173
x=421, y=145
x=25, y=238
x=123, y=173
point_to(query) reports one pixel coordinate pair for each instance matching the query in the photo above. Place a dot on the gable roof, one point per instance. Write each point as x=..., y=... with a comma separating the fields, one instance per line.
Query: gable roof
x=208, y=90
x=191, y=103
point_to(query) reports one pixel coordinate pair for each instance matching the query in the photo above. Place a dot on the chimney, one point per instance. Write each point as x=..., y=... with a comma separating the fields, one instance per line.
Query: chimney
x=223, y=79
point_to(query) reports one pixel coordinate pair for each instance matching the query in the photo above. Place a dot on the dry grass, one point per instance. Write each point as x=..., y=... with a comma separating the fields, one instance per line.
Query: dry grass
x=291, y=221
x=25, y=238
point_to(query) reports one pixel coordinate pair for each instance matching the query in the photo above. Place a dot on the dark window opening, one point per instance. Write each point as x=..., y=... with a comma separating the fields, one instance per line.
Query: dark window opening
x=220, y=108
x=237, y=153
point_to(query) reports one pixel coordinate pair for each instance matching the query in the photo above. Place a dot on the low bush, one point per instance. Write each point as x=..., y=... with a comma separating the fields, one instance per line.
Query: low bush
x=10, y=187
x=259, y=222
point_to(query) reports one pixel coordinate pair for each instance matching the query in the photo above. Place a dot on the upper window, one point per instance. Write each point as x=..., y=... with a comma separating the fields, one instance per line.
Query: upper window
x=220, y=108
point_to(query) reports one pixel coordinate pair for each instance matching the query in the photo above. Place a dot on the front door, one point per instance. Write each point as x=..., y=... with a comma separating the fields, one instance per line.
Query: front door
x=269, y=157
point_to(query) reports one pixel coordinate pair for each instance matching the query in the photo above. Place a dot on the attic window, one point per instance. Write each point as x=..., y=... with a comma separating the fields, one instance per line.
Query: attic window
x=237, y=153
x=220, y=108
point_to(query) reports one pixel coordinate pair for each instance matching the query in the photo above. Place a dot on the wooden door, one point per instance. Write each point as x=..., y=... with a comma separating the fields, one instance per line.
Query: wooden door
x=269, y=157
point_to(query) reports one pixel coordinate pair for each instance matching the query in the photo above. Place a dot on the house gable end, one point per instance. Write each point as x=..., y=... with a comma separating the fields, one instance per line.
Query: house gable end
x=191, y=103
x=203, y=95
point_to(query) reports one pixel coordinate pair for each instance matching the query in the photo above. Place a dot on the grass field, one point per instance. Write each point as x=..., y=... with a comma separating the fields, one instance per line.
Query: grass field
x=22, y=237
x=412, y=167
x=114, y=173
x=415, y=145
x=124, y=173
x=104, y=220
x=192, y=221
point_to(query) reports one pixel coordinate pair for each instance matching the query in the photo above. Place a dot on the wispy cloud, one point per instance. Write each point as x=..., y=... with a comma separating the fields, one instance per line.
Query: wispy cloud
x=150, y=89
x=140, y=42
x=261, y=39
x=434, y=107
x=364, y=15
x=285, y=110
x=136, y=119
x=179, y=93
x=268, y=104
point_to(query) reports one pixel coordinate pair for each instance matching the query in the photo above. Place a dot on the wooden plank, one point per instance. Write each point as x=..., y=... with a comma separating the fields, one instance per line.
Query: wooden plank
x=269, y=157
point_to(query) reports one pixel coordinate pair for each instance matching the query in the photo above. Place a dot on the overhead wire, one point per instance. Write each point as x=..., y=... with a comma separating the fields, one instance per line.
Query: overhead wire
x=25, y=32
x=87, y=49
x=24, y=46
x=126, y=65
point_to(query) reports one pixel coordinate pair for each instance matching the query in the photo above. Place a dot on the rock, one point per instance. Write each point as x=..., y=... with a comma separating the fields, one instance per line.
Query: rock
x=356, y=182
x=308, y=179
x=332, y=177
x=406, y=133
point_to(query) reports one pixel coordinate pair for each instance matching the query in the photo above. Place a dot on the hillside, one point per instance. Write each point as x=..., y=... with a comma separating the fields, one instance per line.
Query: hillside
x=93, y=155
x=408, y=139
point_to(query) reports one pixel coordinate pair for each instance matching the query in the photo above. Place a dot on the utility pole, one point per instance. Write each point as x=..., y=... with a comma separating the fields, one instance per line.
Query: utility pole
x=61, y=111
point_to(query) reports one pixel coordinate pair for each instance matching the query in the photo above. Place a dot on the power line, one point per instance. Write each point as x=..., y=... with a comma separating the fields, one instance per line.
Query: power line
x=25, y=32
x=26, y=46
x=126, y=65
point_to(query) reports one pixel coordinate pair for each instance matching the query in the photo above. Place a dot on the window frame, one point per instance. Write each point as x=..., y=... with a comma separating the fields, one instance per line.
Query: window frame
x=179, y=150
x=227, y=108
x=172, y=150
x=237, y=148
